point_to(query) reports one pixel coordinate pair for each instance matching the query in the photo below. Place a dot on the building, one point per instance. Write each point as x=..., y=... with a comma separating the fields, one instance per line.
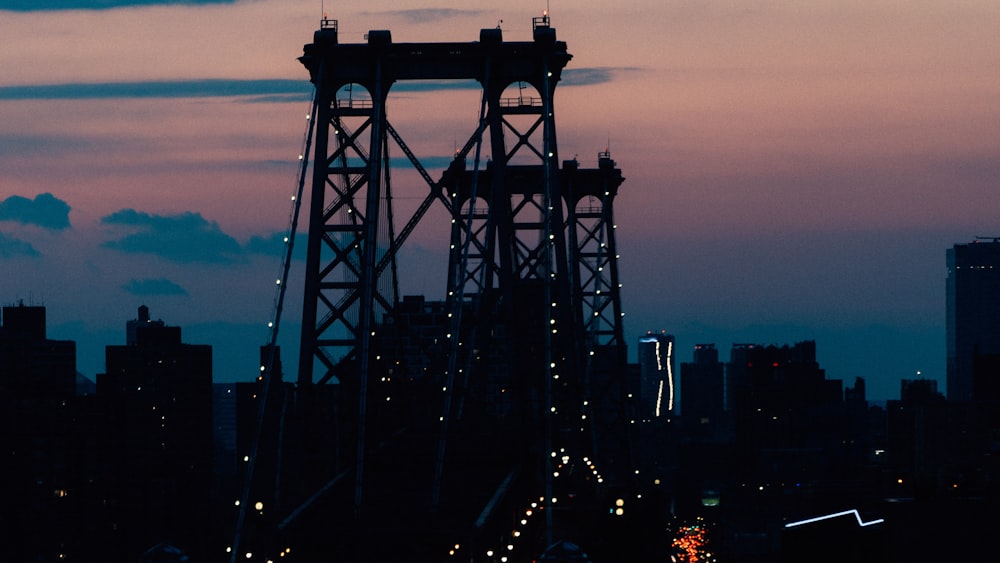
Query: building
x=973, y=320
x=656, y=375
x=702, y=390
x=38, y=440
x=157, y=394
x=773, y=393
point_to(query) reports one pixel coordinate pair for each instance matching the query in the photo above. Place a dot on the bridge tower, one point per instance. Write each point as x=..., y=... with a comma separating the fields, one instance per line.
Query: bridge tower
x=440, y=429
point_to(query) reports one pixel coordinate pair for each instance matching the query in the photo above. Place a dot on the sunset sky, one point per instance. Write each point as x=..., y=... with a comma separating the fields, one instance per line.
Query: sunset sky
x=794, y=170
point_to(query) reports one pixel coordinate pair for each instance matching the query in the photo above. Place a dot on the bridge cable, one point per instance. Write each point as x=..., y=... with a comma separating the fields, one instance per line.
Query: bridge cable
x=458, y=299
x=268, y=367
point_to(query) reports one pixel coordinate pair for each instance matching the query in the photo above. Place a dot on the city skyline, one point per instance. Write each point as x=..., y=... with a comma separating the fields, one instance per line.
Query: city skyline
x=791, y=174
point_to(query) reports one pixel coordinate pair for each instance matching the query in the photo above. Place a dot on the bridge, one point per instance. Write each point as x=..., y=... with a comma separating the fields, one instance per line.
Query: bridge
x=491, y=423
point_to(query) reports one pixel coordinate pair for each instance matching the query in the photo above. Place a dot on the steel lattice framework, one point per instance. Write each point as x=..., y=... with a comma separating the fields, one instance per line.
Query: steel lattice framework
x=532, y=342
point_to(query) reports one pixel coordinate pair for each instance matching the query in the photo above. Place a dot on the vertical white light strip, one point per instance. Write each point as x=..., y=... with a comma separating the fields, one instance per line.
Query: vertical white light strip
x=659, y=368
x=659, y=398
x=670, y=377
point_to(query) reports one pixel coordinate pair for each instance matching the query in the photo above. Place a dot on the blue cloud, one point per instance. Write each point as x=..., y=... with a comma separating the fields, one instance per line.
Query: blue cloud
x=11, y=247
x=46, y=211
x=264, y=89
x=430, y=163
x=274, y=90
x=185, y=238
x=156, y=286
x=586, y=76
x=425, y=15
x=274, y=245
x=280, y=98
x=56, y=5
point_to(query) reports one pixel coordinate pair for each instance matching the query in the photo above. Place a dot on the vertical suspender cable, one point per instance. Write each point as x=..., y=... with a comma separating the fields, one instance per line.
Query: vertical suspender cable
x=458, y=299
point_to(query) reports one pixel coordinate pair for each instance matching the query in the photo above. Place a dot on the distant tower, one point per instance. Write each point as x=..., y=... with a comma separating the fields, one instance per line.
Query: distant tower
x=973, y=317
x=142, y=320
x=656, y=374
x=701, y=386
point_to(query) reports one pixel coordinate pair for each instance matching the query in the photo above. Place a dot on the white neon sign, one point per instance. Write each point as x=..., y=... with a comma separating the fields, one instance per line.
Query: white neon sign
x=853, y=511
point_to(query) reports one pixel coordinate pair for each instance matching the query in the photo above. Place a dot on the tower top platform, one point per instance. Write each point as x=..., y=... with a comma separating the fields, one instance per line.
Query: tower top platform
x=505, y=61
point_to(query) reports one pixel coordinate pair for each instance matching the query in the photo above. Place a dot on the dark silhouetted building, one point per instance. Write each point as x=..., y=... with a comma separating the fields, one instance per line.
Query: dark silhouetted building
x=856, y=393
x=701, y=391
x=781, y=401
x=37, y=440
x=158, y=396
x=973, y=320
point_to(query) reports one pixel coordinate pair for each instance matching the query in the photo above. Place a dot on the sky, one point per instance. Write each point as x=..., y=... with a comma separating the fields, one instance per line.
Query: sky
x=794, y=170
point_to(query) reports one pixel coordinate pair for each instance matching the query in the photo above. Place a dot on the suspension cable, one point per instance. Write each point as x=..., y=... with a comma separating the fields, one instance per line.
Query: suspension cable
x=279, y=298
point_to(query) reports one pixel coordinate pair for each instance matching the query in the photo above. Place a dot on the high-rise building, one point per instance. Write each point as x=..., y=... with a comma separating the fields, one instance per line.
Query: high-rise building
x=656, y=375
x=701, y=387
x=38, y=440
x=973, y=319
x=158, y=392
x=772, y=392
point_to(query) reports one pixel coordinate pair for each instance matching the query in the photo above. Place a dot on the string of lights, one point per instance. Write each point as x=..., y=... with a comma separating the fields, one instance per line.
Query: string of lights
x=266, y=369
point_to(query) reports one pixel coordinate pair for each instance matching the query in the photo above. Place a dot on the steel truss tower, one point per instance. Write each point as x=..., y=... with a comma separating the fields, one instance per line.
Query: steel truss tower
x=532, y=355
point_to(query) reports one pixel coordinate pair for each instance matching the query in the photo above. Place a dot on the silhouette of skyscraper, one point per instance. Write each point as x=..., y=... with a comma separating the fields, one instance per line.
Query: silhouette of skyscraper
x=158, y=392
x=770, y=390
x=37, y=445
x=701, y=389
x=973, y=319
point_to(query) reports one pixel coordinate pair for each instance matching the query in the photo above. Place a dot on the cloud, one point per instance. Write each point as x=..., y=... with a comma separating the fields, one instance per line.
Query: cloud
x=56, y=5
x=274, y=245
x=280, y=98
x=11, y=247
x=22, y=144
x=586, y=76
x=263, y=89
x=271, y=90
x=425, y=15
x=157, y=286
x=430, y=163
x=46, y=211
x=185, y=238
